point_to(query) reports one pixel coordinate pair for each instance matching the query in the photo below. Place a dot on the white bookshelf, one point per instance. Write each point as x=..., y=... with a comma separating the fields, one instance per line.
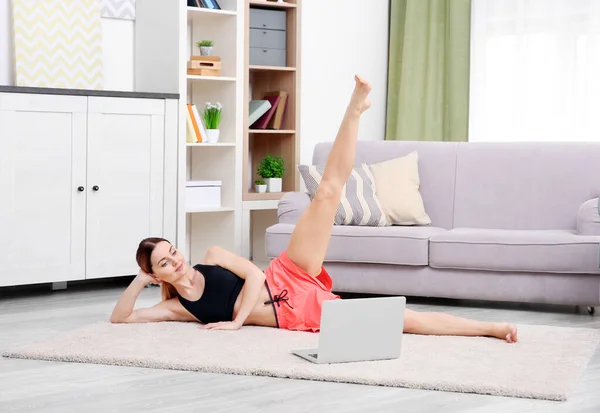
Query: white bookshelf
x=166, y=36
x=169, y=32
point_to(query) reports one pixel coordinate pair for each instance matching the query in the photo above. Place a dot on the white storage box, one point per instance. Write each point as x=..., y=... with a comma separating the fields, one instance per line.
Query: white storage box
x=203, y=194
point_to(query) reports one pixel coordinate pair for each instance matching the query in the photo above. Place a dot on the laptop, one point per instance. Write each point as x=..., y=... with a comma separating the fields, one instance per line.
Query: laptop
x=358, y=329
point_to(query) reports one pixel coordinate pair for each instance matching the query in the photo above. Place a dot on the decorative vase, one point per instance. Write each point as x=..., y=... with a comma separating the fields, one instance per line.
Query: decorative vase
x=212, y=135
x=205, y=50
x=273, y=184
x=261, y=188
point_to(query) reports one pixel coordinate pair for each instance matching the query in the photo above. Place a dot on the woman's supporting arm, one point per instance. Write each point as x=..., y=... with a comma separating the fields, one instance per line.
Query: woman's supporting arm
x=124, y=307
x=166, y=310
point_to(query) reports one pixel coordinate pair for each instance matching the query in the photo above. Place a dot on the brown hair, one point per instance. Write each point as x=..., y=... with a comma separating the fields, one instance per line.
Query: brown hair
x=142, y=256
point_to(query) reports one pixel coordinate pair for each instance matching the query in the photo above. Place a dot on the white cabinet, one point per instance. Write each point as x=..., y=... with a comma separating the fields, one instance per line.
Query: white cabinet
x=82, y=181
x=124, y=181
x=42, y=165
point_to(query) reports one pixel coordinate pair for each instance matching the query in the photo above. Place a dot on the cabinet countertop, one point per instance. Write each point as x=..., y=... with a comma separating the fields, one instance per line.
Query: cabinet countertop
x=87, y=92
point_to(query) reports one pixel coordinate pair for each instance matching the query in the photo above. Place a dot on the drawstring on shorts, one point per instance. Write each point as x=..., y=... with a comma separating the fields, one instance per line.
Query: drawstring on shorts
x=280, y=297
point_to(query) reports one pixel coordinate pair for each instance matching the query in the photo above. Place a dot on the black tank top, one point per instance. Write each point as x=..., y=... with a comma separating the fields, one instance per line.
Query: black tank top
x=221, y=289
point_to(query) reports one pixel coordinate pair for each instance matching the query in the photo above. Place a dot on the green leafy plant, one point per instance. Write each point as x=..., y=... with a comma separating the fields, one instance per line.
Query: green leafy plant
x=204, y=43
x=212, y=115
x=271, y=167
x=259, y=182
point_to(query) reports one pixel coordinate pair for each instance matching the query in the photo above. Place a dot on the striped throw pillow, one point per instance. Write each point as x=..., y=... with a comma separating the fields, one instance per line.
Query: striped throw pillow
x=358, y=204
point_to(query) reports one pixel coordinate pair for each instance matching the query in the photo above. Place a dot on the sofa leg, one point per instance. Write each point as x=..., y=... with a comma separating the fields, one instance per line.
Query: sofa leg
x=591, y=310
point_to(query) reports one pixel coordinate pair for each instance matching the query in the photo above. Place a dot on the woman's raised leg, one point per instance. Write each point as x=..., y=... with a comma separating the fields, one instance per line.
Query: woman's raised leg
x=440, y=324
x=310, y=238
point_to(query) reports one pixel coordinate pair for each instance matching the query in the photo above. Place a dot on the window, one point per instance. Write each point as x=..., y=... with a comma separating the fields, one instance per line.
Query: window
x=535, y=70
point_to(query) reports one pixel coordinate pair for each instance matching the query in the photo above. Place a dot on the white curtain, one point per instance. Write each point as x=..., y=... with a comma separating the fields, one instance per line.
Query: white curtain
x=535, y=70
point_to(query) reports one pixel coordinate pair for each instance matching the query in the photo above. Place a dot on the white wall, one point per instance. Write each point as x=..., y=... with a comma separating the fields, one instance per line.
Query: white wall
x=341, y=38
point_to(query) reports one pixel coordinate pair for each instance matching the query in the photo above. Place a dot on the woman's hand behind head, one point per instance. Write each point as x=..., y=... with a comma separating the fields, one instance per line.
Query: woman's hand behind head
x=147, y=278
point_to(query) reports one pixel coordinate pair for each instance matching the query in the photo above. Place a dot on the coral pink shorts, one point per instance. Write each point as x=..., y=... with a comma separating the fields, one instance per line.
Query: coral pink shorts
x=296, y=295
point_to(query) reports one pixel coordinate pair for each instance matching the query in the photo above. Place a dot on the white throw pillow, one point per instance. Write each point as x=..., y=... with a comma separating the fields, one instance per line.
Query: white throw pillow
x=397, y=188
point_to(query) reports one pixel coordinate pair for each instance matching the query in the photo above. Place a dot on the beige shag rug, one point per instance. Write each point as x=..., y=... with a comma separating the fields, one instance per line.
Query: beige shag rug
x=545, y=364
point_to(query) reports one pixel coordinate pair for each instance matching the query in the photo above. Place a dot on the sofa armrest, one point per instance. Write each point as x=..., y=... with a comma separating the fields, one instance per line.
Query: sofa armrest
x=588, y=218
x=291, y=206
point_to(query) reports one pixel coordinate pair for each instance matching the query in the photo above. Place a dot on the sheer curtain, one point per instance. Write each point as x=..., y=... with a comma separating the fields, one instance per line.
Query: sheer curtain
x=535, y=70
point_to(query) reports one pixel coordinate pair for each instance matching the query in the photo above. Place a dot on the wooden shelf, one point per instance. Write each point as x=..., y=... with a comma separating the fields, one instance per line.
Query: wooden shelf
x=272, y=68
x=260, y=209
x=272, y=4
x=213, y=145
x=265, y=196
x=200, y=11
x=202, y=210
x=212, y=78
x=271, y=131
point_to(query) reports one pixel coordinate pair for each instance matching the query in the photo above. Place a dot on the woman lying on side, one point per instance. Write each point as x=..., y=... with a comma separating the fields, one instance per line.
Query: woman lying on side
x=227, y=291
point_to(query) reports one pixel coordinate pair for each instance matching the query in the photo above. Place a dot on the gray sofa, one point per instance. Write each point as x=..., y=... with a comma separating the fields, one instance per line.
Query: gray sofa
x=509, y=222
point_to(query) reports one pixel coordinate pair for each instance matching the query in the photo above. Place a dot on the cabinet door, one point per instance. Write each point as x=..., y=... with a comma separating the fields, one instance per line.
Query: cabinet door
x=125, y=178
x=42, y=164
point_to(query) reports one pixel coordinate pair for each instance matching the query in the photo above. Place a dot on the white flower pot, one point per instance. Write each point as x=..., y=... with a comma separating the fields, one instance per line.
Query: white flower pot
x=261, y=188
x=273, y=184
x=212, y=135
x=205, y=50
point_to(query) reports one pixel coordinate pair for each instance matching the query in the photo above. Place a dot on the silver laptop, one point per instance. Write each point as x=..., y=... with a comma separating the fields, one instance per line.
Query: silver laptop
x=359, y=329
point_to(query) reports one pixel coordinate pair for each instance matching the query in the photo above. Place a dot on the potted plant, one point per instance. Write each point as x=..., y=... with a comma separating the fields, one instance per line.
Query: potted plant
x=205, y=47
x=271, y=169
x=260, y=186
x=211, y=115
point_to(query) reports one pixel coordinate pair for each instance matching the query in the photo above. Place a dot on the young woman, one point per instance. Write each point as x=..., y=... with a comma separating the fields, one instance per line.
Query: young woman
x=226, y=291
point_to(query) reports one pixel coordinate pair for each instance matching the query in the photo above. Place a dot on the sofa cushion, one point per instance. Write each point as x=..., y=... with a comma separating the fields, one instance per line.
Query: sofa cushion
x=359, y=204
x=588, y=218
x=389, y=245
x=397, y=188
x=560, y=251
x=524, y=185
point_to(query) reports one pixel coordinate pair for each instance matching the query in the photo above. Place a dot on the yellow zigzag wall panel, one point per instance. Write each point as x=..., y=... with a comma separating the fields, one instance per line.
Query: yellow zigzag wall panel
x=58, y=43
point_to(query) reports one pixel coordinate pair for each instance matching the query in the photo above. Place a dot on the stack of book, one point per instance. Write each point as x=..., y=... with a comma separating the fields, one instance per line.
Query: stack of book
x=195, y=130
x=267, y=113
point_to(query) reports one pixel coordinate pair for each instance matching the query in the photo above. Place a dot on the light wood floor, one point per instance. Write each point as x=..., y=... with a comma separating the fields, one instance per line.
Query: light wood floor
x=40, y=386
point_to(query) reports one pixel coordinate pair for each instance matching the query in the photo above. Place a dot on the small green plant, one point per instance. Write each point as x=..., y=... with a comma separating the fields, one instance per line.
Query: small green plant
x=212, y=115
x=259, y=182
x=204, y=43
x=271, y=167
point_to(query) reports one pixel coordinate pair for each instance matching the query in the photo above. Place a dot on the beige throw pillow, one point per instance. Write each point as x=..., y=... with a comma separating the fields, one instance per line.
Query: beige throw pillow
x=397, y=188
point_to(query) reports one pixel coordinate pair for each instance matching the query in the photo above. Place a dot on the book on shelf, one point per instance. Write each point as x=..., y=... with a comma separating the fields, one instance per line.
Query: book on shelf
x=269, y=116
x=277, y=118
x=257, y=109
x=206, y=4
x=263, y=121
x=195, y=124
x=190, y=133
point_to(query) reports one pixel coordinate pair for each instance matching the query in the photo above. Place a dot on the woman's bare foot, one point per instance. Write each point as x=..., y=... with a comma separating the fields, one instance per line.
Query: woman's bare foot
x=506, y=331
x=360, y=97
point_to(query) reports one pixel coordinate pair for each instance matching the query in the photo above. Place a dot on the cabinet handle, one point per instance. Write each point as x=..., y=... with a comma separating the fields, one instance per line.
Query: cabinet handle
x=96, y=188
x=264, y=51
x=81, y=189
x=264, y=32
